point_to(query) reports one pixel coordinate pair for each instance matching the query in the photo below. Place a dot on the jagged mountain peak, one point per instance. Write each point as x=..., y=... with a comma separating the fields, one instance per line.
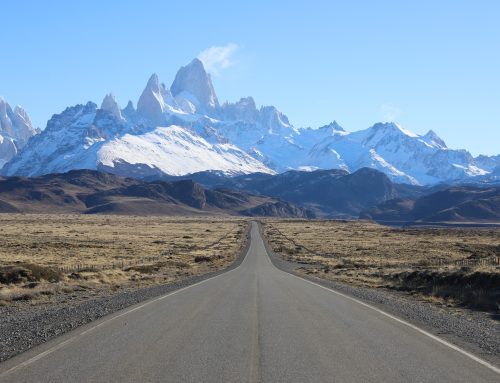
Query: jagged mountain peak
x=433, y=139
x=110, y=105
x=129, y=109
x=151, y=104
x=109, y=100
x=194, y=84
x=153, y=83
x=393, y=127
x=245, y=110
x=16, y=129
x=431, y=133
x=3, y=105
x=273, y=117
x=184, y=129
x=245, y=103
x=16, y=123
x=332, y=127
x=19, y=110
x=90, y=106
x=248, y=101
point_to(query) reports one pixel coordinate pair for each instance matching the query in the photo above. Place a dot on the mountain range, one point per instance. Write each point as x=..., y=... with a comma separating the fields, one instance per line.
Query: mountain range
x=184, y=129
x=92, y=192
x=328, y=193
x=453, y=204
x=366, y=193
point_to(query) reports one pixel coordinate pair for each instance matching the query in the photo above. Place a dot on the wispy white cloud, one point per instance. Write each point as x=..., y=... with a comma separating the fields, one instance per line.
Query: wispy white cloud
x=218, y=58
x=390, y=112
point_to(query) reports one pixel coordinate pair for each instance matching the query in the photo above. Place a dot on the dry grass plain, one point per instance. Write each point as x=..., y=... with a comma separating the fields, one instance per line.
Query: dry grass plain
x=43, y=255
x=447, y=265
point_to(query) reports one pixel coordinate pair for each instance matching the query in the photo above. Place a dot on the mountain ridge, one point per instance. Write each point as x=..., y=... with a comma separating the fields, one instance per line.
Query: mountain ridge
x=94, y=192
x=184, y=129
x=452, y=204
x=333, y=193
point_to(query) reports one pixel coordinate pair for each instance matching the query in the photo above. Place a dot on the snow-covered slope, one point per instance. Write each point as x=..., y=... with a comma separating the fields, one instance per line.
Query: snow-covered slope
x=85, y=137
x=489, y=163
x=176, y=151
x=184, y=129
x=15, y=130
x=423, y=159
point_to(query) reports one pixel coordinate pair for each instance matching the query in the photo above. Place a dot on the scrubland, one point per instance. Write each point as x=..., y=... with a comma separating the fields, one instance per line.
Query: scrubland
x=451, y=266
x=43, y=255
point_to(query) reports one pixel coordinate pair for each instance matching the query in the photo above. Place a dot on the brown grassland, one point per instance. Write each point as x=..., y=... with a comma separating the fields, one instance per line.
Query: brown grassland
x=43, y=255
x=452, y=266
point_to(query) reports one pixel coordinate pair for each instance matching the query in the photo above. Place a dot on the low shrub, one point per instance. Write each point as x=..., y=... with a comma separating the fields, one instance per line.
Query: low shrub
x=28, y=272
x=202, y=258
x=144, y=269
x=478, y=290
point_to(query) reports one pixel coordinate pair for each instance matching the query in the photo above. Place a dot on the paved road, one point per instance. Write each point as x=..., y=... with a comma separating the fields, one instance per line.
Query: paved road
x=253, y=324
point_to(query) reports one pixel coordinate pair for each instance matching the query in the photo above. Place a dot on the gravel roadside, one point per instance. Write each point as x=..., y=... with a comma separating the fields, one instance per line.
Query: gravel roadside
x=26, y=327
x=475, y=332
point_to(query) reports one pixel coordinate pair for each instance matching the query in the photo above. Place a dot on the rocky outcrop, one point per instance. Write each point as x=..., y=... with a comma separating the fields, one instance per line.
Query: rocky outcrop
x=193, y=83
x=16, y=129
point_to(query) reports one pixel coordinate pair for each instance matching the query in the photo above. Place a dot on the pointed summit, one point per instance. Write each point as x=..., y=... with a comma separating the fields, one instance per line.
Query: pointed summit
x=151, y=104
x=153, y=83
x=129, y=109
x=433, y=139
x=15, y=130
x=5, y=120
x=392, y=128
x=16, y=123
x=193, y=83
x=23, y=127
x=110, y=105
x=332, y=128
x=23, y=115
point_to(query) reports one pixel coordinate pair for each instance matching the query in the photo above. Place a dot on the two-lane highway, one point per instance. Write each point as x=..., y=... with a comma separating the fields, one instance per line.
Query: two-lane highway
x=252, y=324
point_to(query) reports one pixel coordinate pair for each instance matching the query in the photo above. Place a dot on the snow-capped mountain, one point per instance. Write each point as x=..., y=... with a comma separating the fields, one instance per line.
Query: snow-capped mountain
x=403, y=155
x=489, y=163
x=184, y=129
x=85, y=137
x=15, y=130
x=193, y=89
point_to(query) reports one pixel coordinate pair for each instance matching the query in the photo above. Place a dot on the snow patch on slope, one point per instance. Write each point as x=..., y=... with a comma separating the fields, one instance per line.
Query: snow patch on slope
x=177, y=151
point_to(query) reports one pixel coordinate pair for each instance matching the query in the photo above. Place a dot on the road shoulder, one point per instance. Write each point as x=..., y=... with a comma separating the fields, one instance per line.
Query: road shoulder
x=472, y=331
x=21, y=331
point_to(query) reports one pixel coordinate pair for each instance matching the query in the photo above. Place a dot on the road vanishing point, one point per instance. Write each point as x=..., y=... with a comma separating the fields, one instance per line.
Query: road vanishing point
x=254, y=323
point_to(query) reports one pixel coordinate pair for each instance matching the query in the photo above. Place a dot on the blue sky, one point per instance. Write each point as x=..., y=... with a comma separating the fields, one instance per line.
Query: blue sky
x=425, y=64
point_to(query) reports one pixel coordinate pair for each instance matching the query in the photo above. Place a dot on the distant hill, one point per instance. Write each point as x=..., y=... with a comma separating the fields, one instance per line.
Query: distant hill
x=93, y=192
x=329, y=193
x=454, y=204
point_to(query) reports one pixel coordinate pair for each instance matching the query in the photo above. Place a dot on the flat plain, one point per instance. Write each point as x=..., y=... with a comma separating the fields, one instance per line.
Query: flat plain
x=43, y=255
x=451, y=266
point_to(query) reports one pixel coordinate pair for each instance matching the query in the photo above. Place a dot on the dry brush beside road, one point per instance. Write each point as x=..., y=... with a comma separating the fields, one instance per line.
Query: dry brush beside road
x=446, y=265
x=46, y=255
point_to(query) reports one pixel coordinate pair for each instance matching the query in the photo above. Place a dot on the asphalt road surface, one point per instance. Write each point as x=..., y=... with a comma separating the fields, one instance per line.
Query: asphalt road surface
x=252, y=324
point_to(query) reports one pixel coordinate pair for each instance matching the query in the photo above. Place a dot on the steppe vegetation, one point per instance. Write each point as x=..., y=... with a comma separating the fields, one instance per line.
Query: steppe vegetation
x=452, y=266
x=42, y=256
